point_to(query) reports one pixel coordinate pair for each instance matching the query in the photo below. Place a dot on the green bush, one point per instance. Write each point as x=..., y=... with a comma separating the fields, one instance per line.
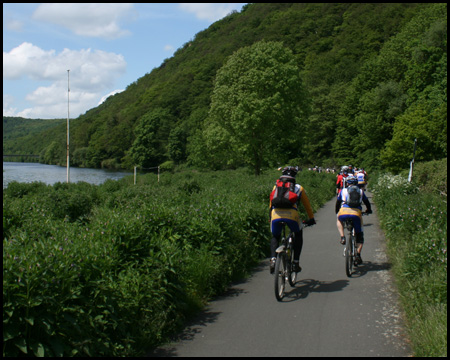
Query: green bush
x=415, y=223
x=114, y=269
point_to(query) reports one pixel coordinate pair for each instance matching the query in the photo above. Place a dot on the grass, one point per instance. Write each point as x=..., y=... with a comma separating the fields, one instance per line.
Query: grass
x=415, y=224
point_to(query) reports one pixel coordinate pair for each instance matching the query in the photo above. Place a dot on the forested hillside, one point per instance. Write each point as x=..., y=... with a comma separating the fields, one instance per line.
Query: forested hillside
x=371, y=79
x=25, y=137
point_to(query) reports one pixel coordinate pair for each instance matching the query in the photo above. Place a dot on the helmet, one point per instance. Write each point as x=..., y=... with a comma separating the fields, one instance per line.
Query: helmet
x=351, y=180
x=345, y=169
x=290, y=171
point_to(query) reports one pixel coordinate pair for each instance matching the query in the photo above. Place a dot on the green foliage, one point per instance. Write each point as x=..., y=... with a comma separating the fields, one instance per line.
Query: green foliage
x=20, y=136
x=148, y=149
x=114, y=269
x=415, y=223
x=427, y=126
x=257, y=106
x=431, y=177
x=401, y=91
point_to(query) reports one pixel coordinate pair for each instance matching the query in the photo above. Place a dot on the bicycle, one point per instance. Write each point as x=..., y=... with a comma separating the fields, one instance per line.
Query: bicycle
x=350, y=250
x=284, y=263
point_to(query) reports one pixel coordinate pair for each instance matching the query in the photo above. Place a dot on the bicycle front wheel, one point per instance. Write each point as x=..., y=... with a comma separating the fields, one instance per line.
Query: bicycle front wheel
x=280, y=276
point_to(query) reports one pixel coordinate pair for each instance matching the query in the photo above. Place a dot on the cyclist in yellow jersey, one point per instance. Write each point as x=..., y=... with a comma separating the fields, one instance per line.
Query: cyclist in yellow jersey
x=291, y=217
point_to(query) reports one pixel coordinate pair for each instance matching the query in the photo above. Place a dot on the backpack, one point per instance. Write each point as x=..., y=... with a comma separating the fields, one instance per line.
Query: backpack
x=353, y=196
x=284, y=196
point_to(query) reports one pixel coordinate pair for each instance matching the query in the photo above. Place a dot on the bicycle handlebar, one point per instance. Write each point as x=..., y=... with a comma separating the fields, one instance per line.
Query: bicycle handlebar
x=305, y=224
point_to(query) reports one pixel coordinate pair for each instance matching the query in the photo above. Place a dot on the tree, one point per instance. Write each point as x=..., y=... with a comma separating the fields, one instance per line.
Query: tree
x=152, y=131
x=428, y=125
x=257, y=104
x=176, y=146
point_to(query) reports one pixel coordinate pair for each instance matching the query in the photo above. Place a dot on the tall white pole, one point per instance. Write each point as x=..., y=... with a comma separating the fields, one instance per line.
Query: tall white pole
x=68, y=92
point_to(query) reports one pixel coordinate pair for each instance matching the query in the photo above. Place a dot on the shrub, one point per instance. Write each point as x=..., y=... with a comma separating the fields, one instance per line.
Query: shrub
x=415, y=223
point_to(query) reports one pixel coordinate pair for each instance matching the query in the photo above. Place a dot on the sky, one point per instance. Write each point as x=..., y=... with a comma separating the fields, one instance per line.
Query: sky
x=105, y=47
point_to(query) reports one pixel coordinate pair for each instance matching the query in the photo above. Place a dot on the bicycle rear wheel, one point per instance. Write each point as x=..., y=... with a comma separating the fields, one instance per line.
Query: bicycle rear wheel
x=280, y=278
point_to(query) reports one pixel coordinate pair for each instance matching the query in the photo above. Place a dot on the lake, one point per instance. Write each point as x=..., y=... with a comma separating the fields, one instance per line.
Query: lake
x=51, y=174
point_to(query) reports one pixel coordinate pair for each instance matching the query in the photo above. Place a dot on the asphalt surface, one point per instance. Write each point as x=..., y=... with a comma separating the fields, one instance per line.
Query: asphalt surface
x=325, y=314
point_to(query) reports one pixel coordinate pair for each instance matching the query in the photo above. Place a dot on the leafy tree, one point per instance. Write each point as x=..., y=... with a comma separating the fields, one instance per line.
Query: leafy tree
x=428, y=126
x=80, y=156
x=258, y=102
x=176, y=146
x=54, y=153
x=149, y=147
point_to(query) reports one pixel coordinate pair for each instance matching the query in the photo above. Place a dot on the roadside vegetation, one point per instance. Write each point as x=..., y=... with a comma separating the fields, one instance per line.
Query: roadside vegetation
x=414, y=218
x=112, y=270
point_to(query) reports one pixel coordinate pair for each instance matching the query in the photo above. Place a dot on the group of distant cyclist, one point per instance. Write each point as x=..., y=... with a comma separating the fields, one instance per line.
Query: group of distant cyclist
x=287, y=194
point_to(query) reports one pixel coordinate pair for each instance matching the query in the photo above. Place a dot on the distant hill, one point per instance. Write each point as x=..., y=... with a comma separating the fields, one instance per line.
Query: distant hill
x=28, y=136
x=371, y=72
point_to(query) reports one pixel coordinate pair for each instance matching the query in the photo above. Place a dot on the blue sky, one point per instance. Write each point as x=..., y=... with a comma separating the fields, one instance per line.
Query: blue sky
x=105, y=46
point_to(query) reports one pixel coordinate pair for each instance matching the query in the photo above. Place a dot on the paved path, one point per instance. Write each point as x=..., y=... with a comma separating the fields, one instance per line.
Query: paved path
x=326, y=314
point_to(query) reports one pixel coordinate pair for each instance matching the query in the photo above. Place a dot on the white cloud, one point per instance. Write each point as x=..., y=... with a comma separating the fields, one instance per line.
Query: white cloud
x=208, y=11
x=108, y=95
x=8, y=110
x=169, y=48
x=91, y=73
x=92, y=20
x=14, y=25
x=26, y=58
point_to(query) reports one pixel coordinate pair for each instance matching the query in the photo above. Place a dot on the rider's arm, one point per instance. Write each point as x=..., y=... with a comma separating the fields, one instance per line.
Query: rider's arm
x=339, y=202
x=270, y=207
x=367, y=203
x=305, y=201
x=339, y=182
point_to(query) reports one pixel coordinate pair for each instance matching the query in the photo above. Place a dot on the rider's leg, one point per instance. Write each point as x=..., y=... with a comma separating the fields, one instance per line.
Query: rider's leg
x=298, y=245
x=359, y=241
x=340, y=227
x=274, y=245
x=359, y=245
x=275, y=227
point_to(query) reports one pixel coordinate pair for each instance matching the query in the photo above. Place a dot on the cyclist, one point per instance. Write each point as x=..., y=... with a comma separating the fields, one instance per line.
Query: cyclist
x=361, y=175
x=340, y=183
x=291, y=217
x=345, y=212
x=351, y=171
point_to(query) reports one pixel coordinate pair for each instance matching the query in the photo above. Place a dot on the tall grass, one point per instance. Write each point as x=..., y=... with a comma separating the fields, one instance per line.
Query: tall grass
x=112, y=270
x=415, y=222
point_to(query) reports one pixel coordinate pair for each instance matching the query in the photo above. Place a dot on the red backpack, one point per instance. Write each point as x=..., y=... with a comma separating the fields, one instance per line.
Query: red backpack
x=284, y=196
